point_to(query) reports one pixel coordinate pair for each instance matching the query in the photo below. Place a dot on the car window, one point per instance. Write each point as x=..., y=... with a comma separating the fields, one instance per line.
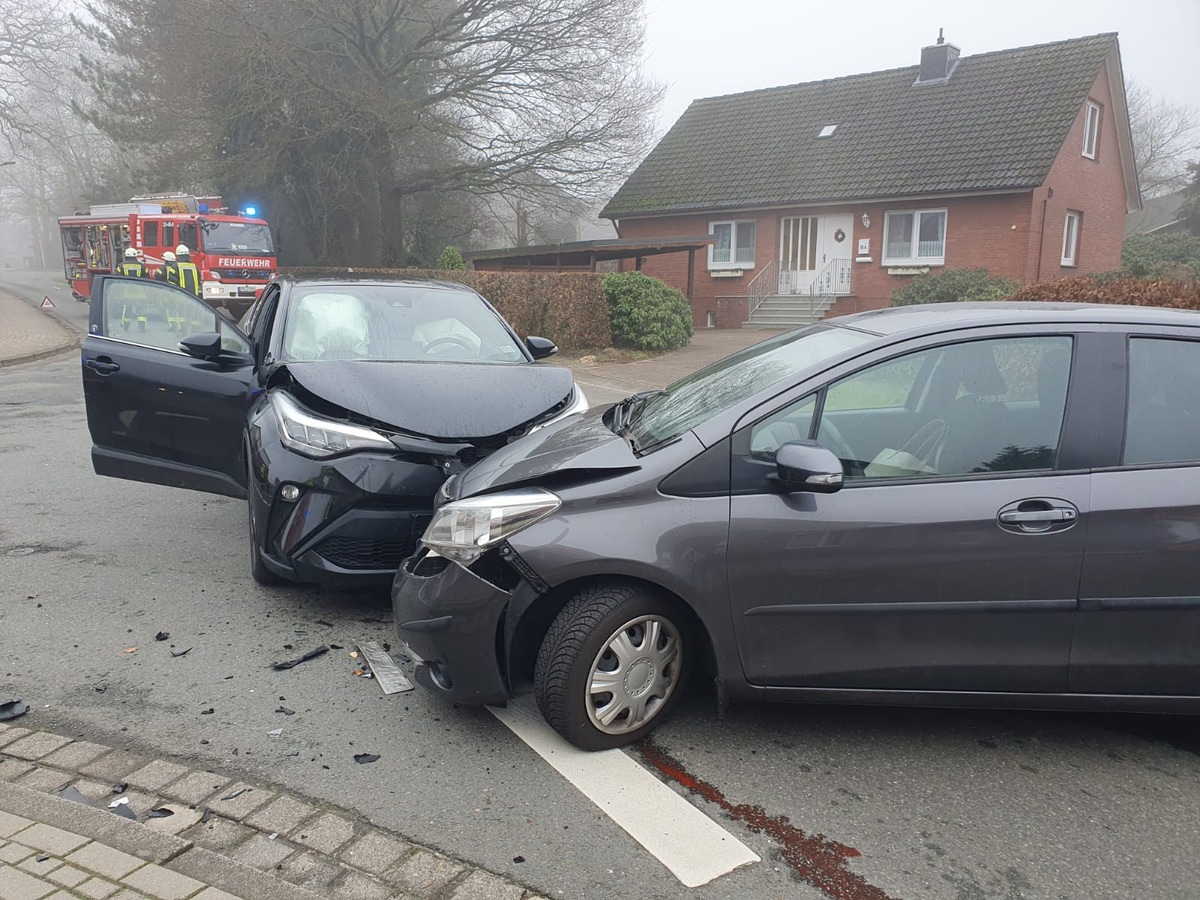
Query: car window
x=975, y=407
x=155, y=315
x=712, y=390
x=1162, y=419
x=792, y=423
x=394, y=322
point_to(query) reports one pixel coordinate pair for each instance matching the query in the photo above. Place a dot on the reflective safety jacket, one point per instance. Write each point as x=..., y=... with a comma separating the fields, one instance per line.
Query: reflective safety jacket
x=136, y=269
x=184, y=275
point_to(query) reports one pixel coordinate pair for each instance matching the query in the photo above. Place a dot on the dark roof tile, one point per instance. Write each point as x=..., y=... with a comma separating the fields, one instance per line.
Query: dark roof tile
x=997, y=122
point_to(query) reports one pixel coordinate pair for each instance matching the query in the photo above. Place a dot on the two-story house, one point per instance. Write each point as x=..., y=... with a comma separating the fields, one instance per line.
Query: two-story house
x=825, y=197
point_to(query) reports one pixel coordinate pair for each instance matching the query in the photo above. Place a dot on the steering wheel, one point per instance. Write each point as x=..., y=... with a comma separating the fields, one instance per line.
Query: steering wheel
x=829, y=437
x=926, y=443
x=451, y=339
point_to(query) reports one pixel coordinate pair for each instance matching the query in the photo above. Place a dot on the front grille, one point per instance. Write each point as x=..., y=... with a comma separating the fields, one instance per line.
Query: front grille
x=256, y=275
x=366, y=553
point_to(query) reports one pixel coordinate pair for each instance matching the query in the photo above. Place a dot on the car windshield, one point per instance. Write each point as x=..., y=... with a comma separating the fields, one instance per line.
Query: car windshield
x=394, y=322
x=699, y=397
x=237, y=237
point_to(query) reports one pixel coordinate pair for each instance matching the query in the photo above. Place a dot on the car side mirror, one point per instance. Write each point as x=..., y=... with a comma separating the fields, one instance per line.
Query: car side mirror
x=202, y=345
x=807, y=466
x=540, y=347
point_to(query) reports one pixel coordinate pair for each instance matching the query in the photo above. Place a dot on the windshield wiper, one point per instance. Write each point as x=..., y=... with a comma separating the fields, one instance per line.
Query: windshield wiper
x=625, y=413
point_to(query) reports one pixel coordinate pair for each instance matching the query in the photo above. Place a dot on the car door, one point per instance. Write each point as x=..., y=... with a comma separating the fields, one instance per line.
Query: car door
x=950, y=559
x=156, y=413
x=1139, y=616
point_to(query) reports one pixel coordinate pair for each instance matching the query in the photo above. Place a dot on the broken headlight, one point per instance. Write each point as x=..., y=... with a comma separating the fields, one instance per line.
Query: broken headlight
x=311, y=435
x=464, y=529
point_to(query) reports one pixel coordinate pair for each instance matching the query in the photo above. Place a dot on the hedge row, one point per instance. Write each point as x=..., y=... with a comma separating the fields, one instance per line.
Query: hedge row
x=569, y=308
x=1179, y=293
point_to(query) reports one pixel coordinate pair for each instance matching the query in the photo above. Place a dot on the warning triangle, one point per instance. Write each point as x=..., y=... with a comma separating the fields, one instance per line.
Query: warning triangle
x=47, y=303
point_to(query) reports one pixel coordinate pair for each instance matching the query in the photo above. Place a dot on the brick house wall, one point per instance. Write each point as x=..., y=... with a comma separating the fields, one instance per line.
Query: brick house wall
x=1003, y=233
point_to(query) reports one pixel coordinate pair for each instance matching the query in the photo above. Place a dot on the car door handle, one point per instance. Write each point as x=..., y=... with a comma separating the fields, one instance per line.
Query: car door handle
x=1041, y=515
x=1038, y=515
x=103, y=365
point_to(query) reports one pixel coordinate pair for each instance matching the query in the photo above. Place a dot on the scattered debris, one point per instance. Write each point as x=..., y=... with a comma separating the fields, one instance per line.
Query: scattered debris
x=294, y=753
x=10, y=709
x=178, y=653
x=162, y=636
x=272, y=835
x=363, y=758
x=518, y=859
x=336, y=647
x=120, y=801
x=233, y=794
x=276, y=732
x=125, y=812
x=70, y=792
x=286, y=711
x=387, y=673
x=289, y=646
x=311, y=654
x=204, y=740
x=207, y=712
x=161, y=812
x=206, y=815
x=354, y=654
x=323, y=622
x=120, y=788
x=131, y=649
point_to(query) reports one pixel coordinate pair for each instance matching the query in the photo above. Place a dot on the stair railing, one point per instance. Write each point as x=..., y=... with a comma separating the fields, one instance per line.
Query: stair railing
x=763, y=285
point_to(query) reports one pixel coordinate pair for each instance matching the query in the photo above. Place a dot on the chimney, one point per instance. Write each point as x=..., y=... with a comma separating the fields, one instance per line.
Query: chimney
x=937, y=61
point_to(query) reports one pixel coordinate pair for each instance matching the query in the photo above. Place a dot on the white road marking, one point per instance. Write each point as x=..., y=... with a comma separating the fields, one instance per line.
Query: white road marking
x=694, y=847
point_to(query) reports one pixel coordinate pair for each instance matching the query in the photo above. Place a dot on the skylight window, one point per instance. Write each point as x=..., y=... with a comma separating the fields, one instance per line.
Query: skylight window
x=827, y=131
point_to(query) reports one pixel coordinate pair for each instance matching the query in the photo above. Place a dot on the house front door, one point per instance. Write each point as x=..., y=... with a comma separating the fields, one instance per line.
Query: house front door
x=814, y=254
x=798, y=255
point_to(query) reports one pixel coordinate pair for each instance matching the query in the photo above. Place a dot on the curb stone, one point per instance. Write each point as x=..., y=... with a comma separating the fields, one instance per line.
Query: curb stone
x=256, y=858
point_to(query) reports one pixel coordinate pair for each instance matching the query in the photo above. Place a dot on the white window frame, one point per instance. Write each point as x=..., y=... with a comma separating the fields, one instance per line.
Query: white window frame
x=1070, y=245
x=733, y=235
x=1091, y=128
x=915, y=259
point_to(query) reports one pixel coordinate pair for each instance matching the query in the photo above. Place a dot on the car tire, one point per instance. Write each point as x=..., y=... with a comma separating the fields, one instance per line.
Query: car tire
x=258, y=569
x=623, y=635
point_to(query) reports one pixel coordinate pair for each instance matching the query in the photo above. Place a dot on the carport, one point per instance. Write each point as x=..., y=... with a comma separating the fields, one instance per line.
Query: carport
x=584, y=256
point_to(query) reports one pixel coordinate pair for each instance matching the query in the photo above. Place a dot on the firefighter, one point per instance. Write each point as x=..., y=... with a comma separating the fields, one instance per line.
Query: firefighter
x=187, y=276
x=132, y=266
x=164, y=273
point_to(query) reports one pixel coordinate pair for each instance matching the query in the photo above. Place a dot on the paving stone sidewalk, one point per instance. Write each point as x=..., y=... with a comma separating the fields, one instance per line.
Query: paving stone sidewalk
x=222, y=840
x=28, y=334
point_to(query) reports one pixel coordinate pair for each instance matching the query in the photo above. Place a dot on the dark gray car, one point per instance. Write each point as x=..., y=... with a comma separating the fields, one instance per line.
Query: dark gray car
x=968, y=504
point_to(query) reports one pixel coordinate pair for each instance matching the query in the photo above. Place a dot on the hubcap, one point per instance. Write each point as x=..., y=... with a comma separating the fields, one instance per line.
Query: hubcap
x=634, y=673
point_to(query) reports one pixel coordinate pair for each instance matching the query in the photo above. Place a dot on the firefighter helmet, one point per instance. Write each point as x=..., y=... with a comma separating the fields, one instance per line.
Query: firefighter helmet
x=168, y=256
x=130, y=253
x=182, y=250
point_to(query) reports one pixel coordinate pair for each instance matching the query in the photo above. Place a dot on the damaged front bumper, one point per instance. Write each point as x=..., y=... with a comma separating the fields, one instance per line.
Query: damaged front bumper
x=450, y=619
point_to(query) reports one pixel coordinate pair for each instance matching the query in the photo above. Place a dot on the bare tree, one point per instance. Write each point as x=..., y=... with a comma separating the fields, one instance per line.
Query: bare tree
x=1165, y=136
x=346, y=114
x=33, y=36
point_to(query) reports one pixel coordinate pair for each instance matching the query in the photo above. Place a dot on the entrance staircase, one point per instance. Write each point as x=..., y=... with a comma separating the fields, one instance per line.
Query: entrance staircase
x=789, y=310
x=771, y=309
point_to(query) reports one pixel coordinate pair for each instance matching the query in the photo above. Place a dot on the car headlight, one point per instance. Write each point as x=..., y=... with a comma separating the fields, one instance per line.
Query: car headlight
x=579, y=404
x=311, y=435
x=464, y=529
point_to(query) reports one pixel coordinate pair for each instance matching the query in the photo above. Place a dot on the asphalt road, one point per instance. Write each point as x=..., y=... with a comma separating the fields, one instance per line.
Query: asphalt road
x=855, y=804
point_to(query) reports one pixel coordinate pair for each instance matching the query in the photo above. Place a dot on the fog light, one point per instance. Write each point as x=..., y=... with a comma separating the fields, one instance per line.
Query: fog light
x=290, y=493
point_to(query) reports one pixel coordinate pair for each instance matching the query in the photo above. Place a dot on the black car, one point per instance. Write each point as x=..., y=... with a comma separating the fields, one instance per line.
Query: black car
x=337, y=407
x=963, y=504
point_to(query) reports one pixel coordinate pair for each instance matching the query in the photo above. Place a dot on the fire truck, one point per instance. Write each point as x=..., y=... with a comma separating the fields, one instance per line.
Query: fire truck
x=234, y=253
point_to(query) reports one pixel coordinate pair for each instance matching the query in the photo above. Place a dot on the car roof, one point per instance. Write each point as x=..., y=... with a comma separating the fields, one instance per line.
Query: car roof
x=936, y=316
x=349, y=276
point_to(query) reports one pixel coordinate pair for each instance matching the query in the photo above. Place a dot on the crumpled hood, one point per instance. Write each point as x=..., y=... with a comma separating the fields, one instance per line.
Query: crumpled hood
x=575, y=445
x=446, y=401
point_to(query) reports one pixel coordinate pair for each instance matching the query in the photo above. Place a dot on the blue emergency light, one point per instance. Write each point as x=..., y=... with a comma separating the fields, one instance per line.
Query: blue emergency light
x=251, y=210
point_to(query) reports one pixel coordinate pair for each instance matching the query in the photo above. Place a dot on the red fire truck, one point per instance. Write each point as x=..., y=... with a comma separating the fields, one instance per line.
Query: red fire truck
x=234, y=253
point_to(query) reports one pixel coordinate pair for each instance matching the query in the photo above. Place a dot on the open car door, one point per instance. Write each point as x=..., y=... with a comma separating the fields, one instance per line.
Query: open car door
x=167, y=383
